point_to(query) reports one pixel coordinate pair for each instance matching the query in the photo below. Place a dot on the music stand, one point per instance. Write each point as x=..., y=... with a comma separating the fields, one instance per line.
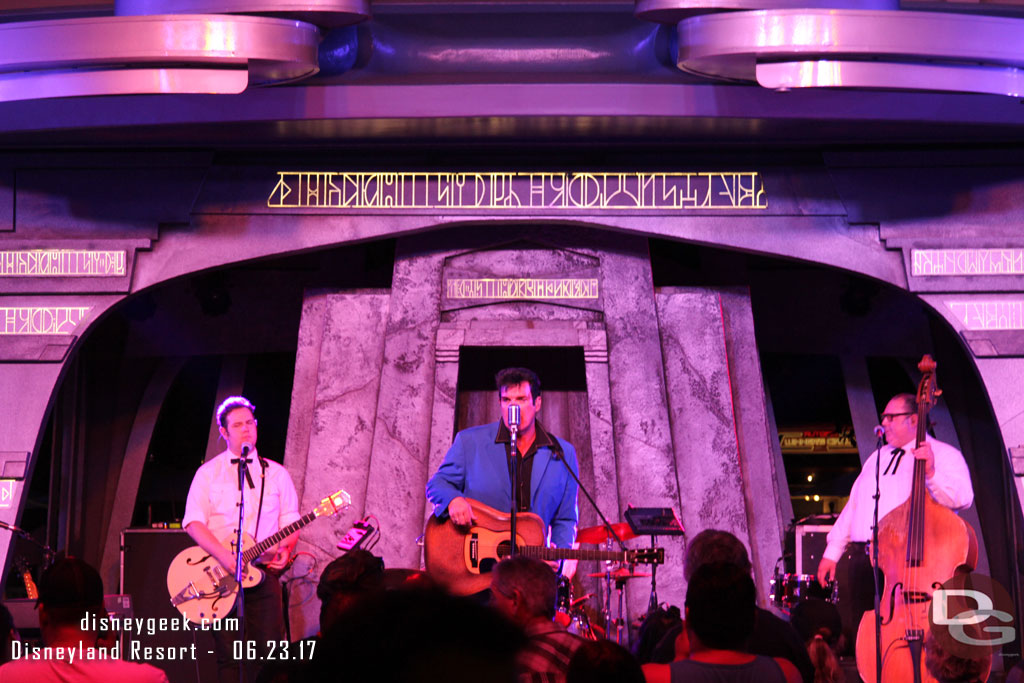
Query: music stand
x=654, y=522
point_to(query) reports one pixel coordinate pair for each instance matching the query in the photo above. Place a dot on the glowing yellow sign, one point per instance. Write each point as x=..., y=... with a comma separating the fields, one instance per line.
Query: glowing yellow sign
x=62, y=263
x=521, y=288
x=518, y=191
x=41, y=319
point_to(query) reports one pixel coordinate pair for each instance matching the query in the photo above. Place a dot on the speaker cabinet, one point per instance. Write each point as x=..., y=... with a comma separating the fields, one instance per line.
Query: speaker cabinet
x=811, y=540
x=145, y=556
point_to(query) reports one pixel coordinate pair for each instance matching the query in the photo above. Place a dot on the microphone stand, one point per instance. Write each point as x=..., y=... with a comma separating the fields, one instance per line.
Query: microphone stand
x=239, y=564
x=513, y=429
x=560, y=456
x=874, y=559
x=48, y=552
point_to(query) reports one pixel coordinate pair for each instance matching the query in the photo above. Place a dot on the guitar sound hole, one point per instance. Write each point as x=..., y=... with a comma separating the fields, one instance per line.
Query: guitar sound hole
x=504, y=549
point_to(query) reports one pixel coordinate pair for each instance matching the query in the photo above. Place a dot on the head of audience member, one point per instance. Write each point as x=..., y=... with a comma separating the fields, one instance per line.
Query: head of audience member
x=714, y=546
x=345, y=580
x=947, y=667
x=603, y=661
x=416, y=635
x=720, y=607
x=820, y=628
x=69, y=590
x=654, y=628
x=524, y=589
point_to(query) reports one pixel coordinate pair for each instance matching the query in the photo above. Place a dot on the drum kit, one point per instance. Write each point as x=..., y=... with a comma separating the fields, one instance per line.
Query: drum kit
x=572, y=613
x=804, y=544
x=788, y=590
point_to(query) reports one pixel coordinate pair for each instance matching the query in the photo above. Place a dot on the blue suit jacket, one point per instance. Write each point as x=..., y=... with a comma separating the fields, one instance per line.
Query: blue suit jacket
x=476, y=467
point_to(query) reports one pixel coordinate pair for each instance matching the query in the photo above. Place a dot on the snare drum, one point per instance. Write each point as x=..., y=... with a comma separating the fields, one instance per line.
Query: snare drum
x=789, y=589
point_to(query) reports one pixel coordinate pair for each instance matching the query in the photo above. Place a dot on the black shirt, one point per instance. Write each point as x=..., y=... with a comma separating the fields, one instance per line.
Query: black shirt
x=525, y=463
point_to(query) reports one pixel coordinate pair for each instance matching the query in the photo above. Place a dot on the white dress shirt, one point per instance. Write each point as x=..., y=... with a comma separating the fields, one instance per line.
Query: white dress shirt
x=950, y=486
x=213, y=497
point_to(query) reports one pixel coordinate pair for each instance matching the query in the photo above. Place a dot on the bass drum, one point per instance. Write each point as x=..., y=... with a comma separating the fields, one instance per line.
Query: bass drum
x=571, y=614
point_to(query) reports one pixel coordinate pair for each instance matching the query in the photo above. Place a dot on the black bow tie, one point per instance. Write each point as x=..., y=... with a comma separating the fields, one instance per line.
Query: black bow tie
x=897, y=455
x=235, y=461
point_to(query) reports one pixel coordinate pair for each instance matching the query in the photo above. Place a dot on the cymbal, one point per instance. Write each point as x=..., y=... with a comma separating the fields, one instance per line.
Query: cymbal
x=598, y=534
x=620, y=574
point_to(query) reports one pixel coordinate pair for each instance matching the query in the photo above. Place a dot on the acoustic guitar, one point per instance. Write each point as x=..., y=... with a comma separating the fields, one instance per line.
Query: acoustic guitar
x=461, y=558
x=205, y=592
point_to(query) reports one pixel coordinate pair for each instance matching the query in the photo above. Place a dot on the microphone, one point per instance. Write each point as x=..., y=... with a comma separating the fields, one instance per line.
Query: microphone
x=879, y=431
x=246, y=447
x=513, y=418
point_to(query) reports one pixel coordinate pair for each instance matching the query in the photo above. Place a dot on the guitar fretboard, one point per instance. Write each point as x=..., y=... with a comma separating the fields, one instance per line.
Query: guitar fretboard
x=542, y=553
x=261, y=547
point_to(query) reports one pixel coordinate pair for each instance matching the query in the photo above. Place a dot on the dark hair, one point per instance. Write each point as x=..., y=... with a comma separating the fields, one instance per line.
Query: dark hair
x=232, y=403
x=603, y=661
x=654, y=629
x=69, y=590
x=536, y=581
x=714, y=546
x=823, y=658
x=910, y=406
x=510, y=377
x=355, y=574
x=411, y=636
x=909, y=400
x=720, y=606
x=949, y=668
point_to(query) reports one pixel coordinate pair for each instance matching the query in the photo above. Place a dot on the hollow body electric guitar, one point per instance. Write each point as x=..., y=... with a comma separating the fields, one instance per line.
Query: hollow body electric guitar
x=204, y=591
x=461, y=558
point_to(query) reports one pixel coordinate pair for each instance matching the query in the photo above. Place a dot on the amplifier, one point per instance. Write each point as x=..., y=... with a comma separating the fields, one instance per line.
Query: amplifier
x=145, y=556
x=811, y=540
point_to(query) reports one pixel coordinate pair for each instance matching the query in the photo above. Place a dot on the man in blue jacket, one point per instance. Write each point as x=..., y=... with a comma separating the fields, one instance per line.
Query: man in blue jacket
x=478, y=465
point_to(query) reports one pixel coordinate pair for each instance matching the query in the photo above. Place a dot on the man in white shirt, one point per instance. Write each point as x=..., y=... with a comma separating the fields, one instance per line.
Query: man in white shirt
x=211, y=519
x=946, y=478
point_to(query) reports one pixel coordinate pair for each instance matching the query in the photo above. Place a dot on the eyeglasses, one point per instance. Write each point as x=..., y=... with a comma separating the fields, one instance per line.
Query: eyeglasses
x=893, y=416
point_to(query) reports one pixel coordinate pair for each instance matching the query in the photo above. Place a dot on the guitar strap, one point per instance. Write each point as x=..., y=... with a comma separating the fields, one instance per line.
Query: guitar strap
x=263, y=488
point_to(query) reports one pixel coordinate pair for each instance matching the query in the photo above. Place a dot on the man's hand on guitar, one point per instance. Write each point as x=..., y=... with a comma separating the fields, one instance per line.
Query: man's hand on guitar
x=460, y=512
x=278, y=559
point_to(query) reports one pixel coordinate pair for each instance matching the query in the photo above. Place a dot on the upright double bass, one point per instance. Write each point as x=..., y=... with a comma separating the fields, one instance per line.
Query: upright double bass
x=920, y=545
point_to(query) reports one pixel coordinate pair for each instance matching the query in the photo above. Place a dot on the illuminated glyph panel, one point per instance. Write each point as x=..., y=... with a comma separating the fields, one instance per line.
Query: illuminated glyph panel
x=966, y=262
x=33, y=320
x=521, y=288
x=62, y=263
x=999, y=314
x=518, y=191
